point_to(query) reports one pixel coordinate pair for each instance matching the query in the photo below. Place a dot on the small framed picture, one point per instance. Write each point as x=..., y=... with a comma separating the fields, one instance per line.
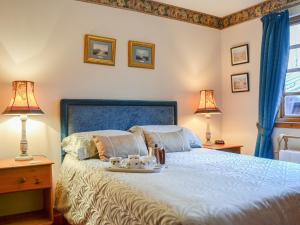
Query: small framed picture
x=141, y=55
x=99, y=50
x=240, y=55
x=240, y=82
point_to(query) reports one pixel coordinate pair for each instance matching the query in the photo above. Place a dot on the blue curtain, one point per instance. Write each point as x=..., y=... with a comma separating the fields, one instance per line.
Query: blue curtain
x=273, y=67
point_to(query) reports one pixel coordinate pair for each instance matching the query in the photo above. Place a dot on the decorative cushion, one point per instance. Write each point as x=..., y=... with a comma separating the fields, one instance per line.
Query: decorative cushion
x=170, y=141
x=120, y=146
x=81, y=146
x=190, y=135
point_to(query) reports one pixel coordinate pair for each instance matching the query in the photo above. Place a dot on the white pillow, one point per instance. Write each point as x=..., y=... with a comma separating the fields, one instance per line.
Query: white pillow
x=81, y=146
x=190, y=135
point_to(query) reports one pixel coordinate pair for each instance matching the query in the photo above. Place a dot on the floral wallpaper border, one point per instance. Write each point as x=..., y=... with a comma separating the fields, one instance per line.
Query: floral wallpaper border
x=190, y=16
x=163, y=10
x=255, y=11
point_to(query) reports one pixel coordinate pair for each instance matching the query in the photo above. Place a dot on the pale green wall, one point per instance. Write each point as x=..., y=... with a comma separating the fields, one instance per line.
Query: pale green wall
x=20, y=202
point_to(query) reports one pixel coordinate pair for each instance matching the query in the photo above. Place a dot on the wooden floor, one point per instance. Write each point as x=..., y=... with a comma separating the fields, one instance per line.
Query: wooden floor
x=58, y=219
x=34, y=218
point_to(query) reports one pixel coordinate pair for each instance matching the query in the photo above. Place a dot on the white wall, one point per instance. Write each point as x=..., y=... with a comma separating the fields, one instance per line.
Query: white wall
x=240, y=110
x=42, y=41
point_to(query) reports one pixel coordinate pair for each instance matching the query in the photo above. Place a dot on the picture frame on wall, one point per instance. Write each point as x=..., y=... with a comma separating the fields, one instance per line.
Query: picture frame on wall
x=99, y=50
x=240, y=82
x=239, y=54
x=141, y=54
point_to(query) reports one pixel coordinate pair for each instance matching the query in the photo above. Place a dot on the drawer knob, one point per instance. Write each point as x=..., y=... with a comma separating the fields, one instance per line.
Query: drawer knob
x=22, y=180
x=37, y=181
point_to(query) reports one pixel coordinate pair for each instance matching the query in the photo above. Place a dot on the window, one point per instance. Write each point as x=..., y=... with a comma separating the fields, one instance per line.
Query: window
x=290, y=109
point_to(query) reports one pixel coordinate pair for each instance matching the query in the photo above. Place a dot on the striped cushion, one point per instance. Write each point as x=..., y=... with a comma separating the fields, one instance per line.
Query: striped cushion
x=120, y=146
x=170, y=141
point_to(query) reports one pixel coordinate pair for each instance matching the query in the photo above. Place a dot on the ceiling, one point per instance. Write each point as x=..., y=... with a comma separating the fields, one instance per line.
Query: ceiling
x=218, y=8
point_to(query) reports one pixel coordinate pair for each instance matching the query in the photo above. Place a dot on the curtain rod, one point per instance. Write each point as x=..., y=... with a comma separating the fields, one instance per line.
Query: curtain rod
x=288, y=6
x=295, y=18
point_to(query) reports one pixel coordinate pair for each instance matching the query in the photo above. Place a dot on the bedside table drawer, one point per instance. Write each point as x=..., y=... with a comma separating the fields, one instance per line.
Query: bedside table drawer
x=27, y=178
x=232, y=150
x=225, y=148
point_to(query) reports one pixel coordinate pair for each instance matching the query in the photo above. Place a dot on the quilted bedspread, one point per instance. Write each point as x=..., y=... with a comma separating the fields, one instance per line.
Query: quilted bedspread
x=204, y=187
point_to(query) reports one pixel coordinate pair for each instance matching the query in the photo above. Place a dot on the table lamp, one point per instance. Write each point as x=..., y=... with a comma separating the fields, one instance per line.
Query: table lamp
x=207, y=106
x=23, y=103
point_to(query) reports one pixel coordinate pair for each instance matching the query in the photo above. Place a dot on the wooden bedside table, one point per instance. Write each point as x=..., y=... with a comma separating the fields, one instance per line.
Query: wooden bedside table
x=225, y=148
x=36, y=174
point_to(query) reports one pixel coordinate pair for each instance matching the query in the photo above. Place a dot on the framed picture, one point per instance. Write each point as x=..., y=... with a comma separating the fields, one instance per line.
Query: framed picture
x=240, y=55
x=240, y=82
x=141, y=55
x=99, y=50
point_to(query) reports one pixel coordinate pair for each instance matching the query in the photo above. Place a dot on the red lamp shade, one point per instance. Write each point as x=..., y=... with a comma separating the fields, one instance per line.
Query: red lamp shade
x=23, y=100
x=207, y=103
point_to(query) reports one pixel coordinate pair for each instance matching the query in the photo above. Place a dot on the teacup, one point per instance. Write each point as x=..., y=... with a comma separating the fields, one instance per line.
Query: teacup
x=137, y=157
x=148, y=161
x=115, y=161
x=134, y=163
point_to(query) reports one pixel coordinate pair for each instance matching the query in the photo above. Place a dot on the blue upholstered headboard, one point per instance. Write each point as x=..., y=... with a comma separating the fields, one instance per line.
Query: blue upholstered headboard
x=79, y=115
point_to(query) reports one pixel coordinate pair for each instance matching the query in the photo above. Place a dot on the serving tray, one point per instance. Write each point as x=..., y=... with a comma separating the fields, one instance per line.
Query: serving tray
x=126, y=170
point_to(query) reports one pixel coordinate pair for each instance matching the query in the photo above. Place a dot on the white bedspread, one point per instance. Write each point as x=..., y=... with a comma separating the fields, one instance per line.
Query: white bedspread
x=202, y=187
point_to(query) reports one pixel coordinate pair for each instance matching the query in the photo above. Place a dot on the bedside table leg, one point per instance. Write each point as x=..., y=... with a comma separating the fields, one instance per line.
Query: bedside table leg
x=48, y=199
x=48, y=202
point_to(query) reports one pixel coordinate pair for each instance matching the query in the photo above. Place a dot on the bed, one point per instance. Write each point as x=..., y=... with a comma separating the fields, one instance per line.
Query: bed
x=198, y=187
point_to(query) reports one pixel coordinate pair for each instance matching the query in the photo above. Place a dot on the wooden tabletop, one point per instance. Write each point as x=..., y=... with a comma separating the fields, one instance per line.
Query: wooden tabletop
x=12, y=163
x=220, y=147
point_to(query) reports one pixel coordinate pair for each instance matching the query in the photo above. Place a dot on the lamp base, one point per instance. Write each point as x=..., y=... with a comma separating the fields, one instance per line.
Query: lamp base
x=24, y=157
x=208, y=143
x=23, y=144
